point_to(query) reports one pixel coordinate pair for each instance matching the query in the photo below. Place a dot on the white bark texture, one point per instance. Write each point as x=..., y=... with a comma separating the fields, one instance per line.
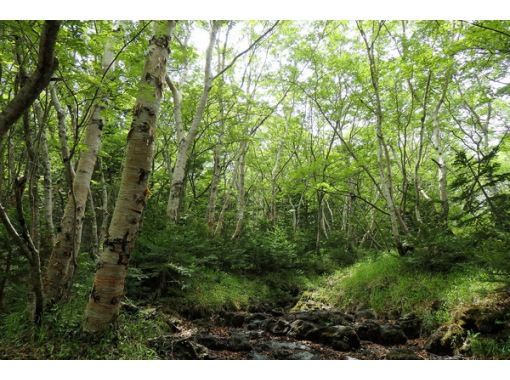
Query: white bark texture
x=186, y=141
x=108, y=288
x=62, y=261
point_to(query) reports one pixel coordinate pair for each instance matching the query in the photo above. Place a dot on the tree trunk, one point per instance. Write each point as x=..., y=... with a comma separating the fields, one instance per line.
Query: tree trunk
x=105, y=297
x=104, y=210
x=437, y=143
x=176, y=194
x=46, y=65
x=62, y=263
x=241, y=194
x=213, y=192
x=398, y=225
x=48, y=183
x=4, y=276
x=62, y=136
x=94, y=233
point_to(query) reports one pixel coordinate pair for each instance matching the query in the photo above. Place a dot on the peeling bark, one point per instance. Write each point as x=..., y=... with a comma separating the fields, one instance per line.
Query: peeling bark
x=62, y=263
x=47, y=179
x=107, y=292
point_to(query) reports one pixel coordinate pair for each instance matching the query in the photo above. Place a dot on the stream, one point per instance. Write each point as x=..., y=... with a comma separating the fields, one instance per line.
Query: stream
x=305, y=335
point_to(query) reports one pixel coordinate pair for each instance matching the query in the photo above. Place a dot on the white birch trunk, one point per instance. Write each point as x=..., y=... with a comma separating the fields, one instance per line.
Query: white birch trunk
x=108, y=289
x=176, y=193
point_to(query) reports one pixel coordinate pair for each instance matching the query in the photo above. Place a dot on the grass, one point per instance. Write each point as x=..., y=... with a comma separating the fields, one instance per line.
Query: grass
x=489, y=348
x=388, y=285
x=61, y=337
x=210, y=291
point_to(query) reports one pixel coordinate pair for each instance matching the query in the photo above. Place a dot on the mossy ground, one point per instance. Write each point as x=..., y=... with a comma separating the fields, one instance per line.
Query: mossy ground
x=385, y=283
x=390, y=286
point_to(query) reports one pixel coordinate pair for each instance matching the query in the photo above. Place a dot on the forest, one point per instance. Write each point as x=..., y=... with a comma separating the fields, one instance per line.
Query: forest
x=218, y=189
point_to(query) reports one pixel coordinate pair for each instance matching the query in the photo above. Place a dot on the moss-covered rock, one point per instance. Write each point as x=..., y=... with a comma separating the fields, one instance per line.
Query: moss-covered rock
x=446, y=340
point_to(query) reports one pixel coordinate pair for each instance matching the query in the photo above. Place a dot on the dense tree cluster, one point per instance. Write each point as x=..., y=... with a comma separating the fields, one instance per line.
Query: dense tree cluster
x=244, y=146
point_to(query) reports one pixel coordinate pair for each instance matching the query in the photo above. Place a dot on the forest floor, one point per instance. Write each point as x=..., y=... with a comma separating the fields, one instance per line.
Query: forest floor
x=375, y=309
x=318, y=334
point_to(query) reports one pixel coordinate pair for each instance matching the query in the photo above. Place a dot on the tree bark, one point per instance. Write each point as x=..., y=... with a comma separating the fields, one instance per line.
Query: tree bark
x=213, y=192
x=398, y=226
x=241, y=194
x=437, y=143
x=186, y=141
x=62, y=263
x=105, y=297
x=94, y=232
x=46, y=65
x=62, y=136
x=47, y=180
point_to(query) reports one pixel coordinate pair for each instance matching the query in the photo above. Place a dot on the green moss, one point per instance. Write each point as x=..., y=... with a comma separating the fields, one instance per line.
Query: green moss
x=387, y=284
x=212, y=291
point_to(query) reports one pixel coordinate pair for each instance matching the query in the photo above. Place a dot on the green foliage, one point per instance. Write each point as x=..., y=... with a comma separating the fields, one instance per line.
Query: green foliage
x=388, y=285
x=489, y=348
x=493, y=252
x=437, y=250
x=483, y=190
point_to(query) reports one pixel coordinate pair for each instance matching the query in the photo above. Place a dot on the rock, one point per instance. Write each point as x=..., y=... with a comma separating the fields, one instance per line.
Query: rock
x=341, y=338
x=234, y=319
x=254, y=334
x=320, y=317
x=258, y=356
x=170, y=347
x=301, y=355
x=257, y=317
x=402, y=354
x=300, y=329
x=391, y=335
x=411, y=325
x=466, y=348
x=369, y=330
x=482, y=319
x=239, y=342
x=286, y=350
x=393, y=314
x=256, y=325
x=445, y=340
x=236, y=342
x=366, y=314
x=277, y=312
x=275, y=345
x=278, y=326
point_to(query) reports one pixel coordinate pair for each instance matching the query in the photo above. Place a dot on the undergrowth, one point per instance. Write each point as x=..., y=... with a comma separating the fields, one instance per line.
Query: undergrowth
x=391, y=286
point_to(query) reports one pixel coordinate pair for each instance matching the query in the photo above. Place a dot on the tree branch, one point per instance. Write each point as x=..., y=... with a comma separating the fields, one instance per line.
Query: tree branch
x=40, y=78
x=261, y=37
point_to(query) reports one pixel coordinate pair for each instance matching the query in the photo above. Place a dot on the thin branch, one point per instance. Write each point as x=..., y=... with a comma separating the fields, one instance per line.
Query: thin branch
x=260, y=38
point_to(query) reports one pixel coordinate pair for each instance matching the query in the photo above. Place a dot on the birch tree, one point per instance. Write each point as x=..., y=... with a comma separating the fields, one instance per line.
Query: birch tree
x=63, y=259
x=107, y=291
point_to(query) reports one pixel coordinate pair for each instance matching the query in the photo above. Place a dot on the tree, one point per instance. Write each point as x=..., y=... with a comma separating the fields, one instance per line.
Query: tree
x=63, y=259
x=108, y=288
